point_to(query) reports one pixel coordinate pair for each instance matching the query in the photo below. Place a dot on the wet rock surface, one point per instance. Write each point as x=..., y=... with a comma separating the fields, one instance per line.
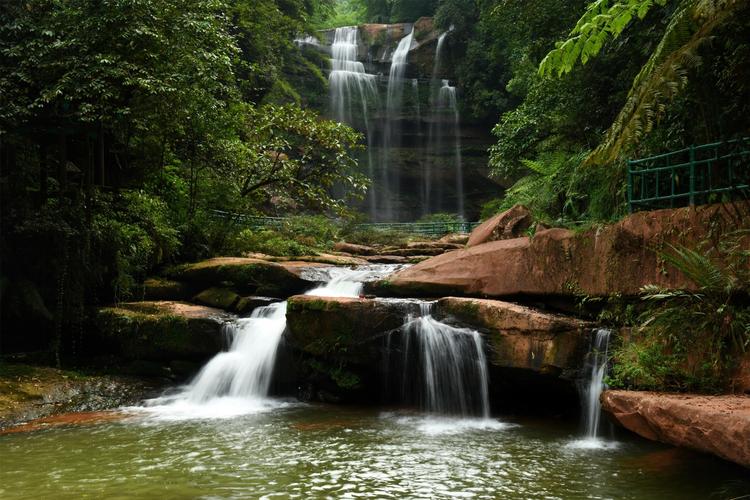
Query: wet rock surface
x=713, y=424
x=31, y=392
x=245, y=275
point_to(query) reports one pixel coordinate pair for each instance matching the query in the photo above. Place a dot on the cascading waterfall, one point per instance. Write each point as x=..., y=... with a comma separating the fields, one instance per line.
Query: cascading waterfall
x=355, y=100
x=245, y=370
x=442, y=367
x=238, y=380
x=352, y=91
x=433, y=136
x=448, y=104
x=597, y=364
x=391, y=132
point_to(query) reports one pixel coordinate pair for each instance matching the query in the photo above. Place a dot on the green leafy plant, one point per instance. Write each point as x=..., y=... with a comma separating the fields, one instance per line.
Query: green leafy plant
x=691, y=339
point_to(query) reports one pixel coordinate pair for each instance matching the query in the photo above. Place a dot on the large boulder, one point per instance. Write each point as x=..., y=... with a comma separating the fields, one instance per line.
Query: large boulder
x=245, y=275
x=521, y=337
x=342, y=328
x=618, y=258
x=161, y=331
x=712, y=424
x=506, y=225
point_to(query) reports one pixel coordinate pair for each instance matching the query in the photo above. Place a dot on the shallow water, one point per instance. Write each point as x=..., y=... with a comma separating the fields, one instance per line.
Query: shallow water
x=291, y=450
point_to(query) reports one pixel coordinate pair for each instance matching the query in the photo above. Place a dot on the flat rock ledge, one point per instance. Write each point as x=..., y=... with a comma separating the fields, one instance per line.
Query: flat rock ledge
x=161, y=330
x=713, y=424
x=522, y=337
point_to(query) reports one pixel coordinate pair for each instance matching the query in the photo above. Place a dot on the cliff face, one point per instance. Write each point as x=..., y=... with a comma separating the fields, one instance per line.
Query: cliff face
x=424, y=155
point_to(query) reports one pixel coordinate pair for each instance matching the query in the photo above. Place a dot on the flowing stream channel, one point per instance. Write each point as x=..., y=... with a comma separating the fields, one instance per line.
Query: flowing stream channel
x=222, y=436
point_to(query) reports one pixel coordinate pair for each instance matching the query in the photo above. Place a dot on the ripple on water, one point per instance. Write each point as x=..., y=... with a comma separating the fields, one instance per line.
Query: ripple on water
x=592, y=444
x=436, y=425
x=177, y=408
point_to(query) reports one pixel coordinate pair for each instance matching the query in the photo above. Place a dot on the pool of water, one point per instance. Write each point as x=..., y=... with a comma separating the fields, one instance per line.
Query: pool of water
x=292, y=450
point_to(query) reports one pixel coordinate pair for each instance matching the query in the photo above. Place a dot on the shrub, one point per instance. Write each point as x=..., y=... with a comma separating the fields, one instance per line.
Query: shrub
x=691, y=340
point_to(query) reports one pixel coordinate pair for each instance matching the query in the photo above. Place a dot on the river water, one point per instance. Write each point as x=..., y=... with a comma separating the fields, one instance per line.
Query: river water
x=294, y=450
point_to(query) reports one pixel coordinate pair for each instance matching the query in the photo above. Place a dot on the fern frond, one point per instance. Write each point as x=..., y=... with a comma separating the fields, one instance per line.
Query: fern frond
x=664, y=76
x=698, y=267
x=601, y=21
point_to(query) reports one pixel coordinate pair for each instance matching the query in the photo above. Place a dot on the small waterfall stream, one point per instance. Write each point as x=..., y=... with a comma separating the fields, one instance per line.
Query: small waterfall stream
x=591, y=390
x=441, y=367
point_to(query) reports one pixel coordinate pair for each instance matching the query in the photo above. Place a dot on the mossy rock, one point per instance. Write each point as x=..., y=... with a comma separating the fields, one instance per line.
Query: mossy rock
x=161, y=331
x=341, y=329
x=245, y=275
x=221, y=298
x=164, y=289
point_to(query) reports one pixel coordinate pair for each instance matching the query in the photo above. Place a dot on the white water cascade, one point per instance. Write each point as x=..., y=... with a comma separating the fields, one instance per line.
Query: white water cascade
x=392, y=132
x=448, y=105
x=598, y=369
x=238, y=380
x=591, y=391
x=353, y=92
x=442, y=367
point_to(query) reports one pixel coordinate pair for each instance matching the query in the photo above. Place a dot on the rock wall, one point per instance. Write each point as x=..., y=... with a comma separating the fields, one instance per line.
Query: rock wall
x=616, y=259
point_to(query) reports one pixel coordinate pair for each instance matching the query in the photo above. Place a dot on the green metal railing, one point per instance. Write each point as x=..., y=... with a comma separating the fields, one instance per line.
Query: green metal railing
x=424, y=228
x=692, y=176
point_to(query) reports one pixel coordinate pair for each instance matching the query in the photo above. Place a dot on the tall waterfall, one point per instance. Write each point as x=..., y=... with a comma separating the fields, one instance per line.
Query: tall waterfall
x=391, y=132
x=352, y=93
x=355, y=99
x=433, y=137
x=238, y=380
x=448, y=104
x=441, y=367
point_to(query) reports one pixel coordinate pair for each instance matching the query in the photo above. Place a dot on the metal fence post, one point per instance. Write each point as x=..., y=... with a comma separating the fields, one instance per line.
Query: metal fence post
x=692, y=174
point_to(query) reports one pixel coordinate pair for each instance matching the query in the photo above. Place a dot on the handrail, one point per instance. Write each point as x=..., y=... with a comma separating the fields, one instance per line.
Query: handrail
x=699, y=174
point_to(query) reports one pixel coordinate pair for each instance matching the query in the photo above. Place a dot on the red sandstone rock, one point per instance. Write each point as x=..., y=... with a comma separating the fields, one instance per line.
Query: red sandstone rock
x=522, y=337
x=712, y=424
x=619, y=258
x=509, y=224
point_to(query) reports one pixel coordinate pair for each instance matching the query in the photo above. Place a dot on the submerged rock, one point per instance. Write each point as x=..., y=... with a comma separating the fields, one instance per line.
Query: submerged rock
x=712, y=424
x=161, y=331
x=521, y=337
x=618, y=258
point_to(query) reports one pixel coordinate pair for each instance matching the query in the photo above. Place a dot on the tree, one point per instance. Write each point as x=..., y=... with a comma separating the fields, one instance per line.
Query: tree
x=293, y=156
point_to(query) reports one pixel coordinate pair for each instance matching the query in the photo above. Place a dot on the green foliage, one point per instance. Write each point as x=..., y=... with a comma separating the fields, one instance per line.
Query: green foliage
x=297, y=236
x=135, y=229
x=293, y=158
x=603, y=19
x=369, y=237
x=557, y=188
x=441, y=217
x=691, y=340
x=691, y=25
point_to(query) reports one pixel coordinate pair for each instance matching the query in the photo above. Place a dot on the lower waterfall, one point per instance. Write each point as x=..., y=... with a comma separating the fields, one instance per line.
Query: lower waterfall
x=238, y=380
x=440, y=367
